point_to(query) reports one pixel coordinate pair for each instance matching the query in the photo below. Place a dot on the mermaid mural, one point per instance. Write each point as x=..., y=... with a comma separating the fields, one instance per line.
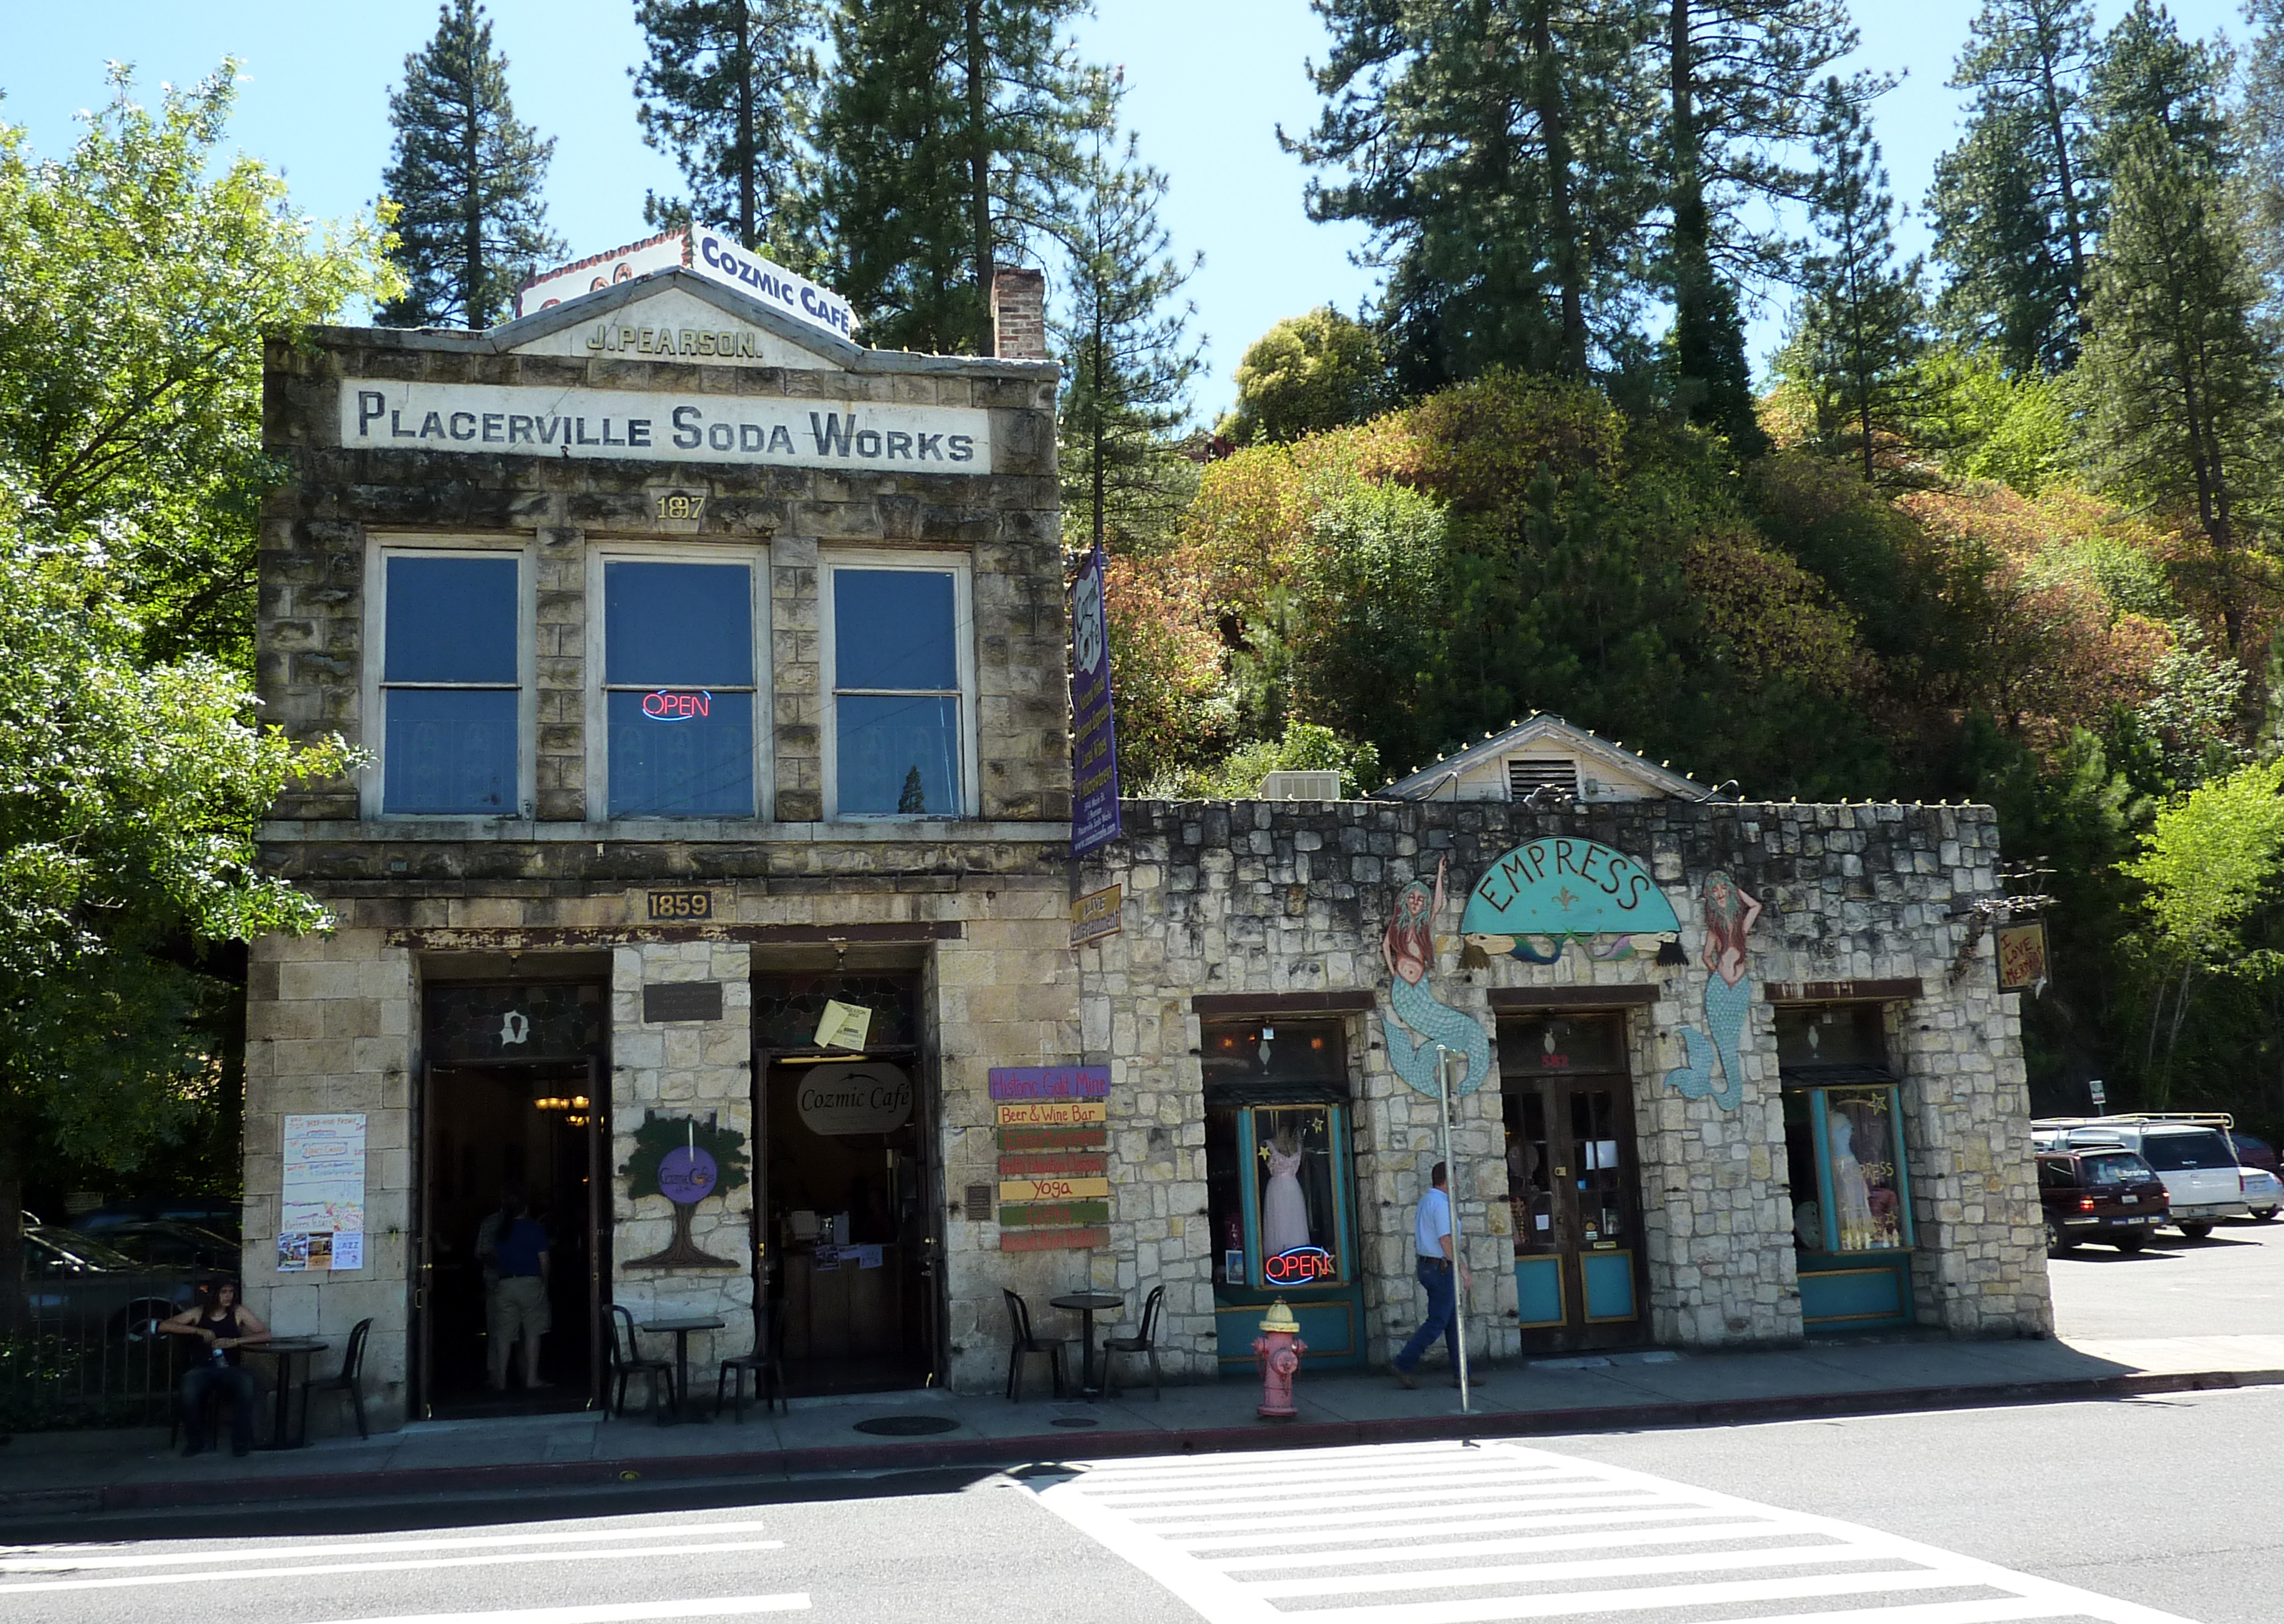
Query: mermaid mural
x=1729, y=915
x=1409, y=951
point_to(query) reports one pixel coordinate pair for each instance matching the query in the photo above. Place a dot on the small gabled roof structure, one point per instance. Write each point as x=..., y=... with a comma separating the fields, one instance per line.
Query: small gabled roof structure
x=1548, y=757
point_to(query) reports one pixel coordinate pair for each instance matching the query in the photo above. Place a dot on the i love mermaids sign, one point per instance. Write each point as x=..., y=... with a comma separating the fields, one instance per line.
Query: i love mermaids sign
x=493, y=420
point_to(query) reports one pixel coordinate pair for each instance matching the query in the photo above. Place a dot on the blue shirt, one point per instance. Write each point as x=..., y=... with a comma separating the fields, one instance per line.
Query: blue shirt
x=1432, y=1224
x=519, y=1249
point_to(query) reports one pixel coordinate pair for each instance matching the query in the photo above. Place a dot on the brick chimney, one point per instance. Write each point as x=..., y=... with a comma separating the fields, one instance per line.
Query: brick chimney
x=1018, y=314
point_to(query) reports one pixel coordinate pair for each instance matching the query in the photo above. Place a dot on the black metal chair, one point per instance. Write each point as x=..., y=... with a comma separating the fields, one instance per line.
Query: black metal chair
x=767, y=1363
x=350, y=1379
x=627, y=1362
x=1145, y=1342
x=1019, y=1314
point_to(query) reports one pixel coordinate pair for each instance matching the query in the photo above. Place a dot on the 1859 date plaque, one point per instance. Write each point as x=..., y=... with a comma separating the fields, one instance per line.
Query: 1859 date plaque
x=680, y=906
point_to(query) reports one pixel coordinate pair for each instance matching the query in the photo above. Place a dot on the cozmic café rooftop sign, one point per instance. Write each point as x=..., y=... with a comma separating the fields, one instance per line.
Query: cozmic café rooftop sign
x=713, y=253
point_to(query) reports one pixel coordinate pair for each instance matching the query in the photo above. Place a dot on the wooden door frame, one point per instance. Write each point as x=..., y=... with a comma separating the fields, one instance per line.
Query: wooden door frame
x=1554, y=1091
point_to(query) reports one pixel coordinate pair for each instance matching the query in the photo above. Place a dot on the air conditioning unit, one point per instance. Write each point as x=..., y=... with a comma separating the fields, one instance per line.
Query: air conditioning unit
x=1285, y=785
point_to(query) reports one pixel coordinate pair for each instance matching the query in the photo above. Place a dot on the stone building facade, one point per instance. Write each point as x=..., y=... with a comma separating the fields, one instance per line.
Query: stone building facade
x=710, y=675
x=1278, y=910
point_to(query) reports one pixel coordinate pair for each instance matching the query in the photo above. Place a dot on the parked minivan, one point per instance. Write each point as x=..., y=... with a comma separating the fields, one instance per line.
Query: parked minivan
x=2191, y=1153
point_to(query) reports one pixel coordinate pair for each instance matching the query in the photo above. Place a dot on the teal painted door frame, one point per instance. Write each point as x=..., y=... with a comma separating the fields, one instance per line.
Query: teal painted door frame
x=1331, y=1313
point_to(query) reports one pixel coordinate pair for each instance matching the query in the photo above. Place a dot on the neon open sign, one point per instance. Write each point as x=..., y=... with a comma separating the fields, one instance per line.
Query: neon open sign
x=1298, y=1266
x=665, y=706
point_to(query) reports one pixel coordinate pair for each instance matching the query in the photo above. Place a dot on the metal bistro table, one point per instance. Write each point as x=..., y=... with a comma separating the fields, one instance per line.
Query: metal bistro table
x=287, y=1349
x=682, y=1328
x=1087, y=1305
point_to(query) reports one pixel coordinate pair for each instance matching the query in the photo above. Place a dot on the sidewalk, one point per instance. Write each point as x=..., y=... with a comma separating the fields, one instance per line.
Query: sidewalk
x=52, y=1474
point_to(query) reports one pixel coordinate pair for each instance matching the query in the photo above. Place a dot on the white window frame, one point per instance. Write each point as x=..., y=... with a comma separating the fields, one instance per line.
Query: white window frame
x=373, y=777
x=756, y=561
x=961, y=569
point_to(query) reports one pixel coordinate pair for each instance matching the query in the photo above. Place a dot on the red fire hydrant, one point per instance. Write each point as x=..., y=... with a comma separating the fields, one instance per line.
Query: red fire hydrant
x=1279, y=1348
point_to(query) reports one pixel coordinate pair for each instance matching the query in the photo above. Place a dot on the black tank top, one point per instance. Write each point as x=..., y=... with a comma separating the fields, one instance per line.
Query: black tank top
x=223, y=1325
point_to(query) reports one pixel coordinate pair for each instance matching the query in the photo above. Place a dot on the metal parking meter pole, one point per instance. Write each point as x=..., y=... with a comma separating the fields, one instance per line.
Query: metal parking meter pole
x=1444, y=1059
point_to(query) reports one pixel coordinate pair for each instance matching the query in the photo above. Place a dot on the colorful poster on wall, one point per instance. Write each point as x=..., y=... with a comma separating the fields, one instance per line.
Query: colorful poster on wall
x=321, y=1196
x=1094, y=732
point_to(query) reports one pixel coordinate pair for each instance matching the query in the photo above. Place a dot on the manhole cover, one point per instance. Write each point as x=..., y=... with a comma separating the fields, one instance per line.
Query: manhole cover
x=907, y=1426
x=1072, y=1421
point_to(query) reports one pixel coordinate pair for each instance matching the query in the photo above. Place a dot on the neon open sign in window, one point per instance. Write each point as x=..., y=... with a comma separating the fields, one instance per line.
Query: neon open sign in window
x=667, y=707
x=1298, y=1267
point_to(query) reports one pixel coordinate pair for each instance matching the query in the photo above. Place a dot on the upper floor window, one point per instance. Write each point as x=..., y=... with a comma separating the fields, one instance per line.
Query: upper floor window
x=451, y=690
x=900, y=679
x=678, y=663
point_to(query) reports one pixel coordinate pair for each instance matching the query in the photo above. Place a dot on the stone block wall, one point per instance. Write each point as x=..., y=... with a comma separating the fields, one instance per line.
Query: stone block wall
x=329, y=1029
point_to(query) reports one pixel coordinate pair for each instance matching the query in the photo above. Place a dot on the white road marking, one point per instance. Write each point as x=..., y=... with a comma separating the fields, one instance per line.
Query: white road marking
x=416, y=1564
x=1164, y=1516
x=53, y=1558
x=615, y=1612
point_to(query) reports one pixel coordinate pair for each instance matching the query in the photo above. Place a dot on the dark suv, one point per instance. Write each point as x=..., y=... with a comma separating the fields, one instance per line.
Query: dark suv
x=2090, y=1193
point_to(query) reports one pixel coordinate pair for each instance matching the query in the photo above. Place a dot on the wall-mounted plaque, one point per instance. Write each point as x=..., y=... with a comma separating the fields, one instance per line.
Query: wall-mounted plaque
x=679, y=906
x=664, y=1001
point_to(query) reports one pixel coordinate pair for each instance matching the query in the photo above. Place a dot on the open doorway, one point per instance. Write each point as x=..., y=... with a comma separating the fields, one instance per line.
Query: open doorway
x=846, y=1173
x=533, y=1132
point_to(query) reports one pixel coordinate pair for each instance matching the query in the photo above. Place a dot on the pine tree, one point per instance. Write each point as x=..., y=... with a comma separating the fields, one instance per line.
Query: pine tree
x=2178, y=380
x=2260, y=136
x=1859, y=330
x=947, y=137
x=1127, y=354
x=727, y=92
x=1738, y=75
x=467, y=174
x=2015, y=204
x=1499, y=150
x=2148, y=73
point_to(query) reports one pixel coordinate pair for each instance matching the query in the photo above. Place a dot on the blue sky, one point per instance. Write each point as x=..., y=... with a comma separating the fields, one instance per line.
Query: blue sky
x=1209, y=81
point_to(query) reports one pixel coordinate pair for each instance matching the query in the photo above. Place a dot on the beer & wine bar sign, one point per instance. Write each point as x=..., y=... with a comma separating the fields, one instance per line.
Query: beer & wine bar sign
x=1054, y=1161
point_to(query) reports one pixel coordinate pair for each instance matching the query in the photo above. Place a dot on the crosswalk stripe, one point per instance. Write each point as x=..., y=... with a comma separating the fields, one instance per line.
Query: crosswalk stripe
x=610, y=1613
x=1542, y=1573
x=52, y=1558
x=1602, y=1537
x=230, y=1575
x=1345, y=1528
x=1174, y=1531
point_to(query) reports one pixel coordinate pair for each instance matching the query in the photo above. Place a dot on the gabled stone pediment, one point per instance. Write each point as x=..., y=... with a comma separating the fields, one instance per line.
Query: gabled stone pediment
x=676, y=314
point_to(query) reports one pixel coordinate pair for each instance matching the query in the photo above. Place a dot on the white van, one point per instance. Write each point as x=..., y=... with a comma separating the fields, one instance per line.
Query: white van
x=2192, y=1153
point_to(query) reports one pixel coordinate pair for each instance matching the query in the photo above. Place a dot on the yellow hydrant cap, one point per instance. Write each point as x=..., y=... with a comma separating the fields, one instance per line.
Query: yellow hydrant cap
x=1280, y=1318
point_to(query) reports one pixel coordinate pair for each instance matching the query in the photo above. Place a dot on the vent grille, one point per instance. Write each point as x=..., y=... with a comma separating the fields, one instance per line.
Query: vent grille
x=1289, y=783
x=1557, y=775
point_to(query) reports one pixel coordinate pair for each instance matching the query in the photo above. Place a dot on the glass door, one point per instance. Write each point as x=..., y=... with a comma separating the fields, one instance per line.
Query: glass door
x=1575, y=1192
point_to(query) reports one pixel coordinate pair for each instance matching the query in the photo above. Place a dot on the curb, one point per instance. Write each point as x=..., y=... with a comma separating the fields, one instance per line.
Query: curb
x=996, y=1452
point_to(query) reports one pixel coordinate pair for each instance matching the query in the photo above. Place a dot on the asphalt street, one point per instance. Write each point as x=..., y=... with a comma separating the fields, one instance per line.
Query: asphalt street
x=2230, y=1283
x=2132, y=1513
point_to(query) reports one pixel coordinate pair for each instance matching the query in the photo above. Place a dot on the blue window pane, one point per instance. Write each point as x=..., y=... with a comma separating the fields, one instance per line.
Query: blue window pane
x=682, y=755
x=450, y=620
x=684, y=625
x=894, y=628
x=449, y=750
x=898, y=754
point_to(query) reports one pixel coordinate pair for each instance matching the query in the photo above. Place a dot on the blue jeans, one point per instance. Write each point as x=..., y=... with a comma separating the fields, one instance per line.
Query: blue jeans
x=1435, y=1277
x=236, y=1384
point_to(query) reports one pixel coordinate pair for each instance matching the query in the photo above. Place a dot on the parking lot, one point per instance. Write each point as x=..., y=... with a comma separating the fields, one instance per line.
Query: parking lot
x=2231, y=1283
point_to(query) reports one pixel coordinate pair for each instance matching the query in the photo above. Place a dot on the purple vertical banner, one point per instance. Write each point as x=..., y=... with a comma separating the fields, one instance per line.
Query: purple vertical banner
x=1094, y=733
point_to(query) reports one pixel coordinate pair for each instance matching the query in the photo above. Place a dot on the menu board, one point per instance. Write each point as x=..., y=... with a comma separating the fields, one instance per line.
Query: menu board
x=321, y=1198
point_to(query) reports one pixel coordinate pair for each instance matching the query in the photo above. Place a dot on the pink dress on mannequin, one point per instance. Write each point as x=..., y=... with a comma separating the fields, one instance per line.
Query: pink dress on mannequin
x=1284, y=1210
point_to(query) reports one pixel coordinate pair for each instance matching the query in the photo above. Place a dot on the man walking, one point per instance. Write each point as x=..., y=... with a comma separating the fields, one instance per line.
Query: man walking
x=1431, y=1240
x=519, y=1306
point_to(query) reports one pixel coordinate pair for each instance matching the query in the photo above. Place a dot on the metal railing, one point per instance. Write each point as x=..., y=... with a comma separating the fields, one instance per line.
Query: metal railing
x=84, y=1350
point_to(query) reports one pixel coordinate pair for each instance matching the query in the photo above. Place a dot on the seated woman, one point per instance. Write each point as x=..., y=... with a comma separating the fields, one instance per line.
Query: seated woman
x=221, y=1327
